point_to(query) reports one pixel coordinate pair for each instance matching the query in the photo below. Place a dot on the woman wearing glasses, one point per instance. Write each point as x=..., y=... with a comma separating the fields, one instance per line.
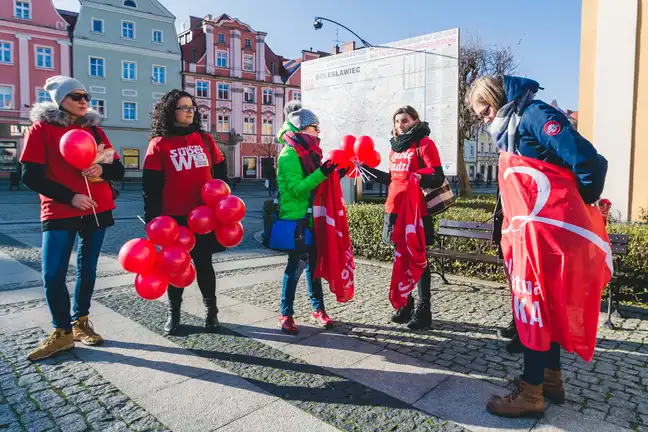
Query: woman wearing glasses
x=67, y=209
x=180, y=159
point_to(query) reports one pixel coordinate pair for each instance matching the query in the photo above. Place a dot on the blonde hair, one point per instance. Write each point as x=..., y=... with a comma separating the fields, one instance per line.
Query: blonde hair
x=488, y=90
x=405, y=109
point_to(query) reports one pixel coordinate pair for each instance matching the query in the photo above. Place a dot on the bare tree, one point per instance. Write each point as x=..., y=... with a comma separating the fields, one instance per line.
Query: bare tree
x=476, y=60
x=267, y=150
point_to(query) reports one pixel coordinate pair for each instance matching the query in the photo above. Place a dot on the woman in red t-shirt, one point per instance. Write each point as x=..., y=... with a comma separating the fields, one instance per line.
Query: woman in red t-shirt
x=180, y=159
x=67, y=210
x=411, y=151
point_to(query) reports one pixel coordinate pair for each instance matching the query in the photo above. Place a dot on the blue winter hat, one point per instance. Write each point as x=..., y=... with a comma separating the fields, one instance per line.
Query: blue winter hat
x=299, y=117
x=60, y=86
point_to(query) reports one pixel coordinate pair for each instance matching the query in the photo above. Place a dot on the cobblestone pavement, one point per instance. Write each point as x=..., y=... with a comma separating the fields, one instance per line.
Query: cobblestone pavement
x=60, y=394
x=613, y=387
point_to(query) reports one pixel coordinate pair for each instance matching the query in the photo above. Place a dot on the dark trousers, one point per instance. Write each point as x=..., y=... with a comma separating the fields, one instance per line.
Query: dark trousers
x=57, y=249
x=535, y=362
x=205, y=275
x=297, y=263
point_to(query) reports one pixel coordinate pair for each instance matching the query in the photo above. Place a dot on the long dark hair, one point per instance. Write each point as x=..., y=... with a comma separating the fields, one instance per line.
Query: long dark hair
x=163, y=117
x=405, y=109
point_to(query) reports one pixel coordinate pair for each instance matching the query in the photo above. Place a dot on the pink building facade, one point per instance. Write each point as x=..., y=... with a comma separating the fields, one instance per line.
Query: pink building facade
x=34, y=45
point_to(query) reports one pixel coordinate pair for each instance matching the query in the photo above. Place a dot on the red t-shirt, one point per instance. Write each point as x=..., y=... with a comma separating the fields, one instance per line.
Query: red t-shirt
x=403, y=165
x=186, y=163
x=42, y=147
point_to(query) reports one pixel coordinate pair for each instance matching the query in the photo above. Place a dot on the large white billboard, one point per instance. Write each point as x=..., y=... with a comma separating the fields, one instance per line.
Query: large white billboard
x=357, y=92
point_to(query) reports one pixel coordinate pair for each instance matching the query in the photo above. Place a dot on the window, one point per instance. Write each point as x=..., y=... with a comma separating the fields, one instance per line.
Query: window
x=193, y=55
x=221, y=38
x=158, y=96
x=248, y=43
x=99, y=105
x=6, y=97
x=129, y=111
x=223, y=91
x=297, y=96
x=128, y=30
x=97, y=67
x=130, y=3
x=159, y=74
x=129, y=92
x=23, y=10
x=206, y=121
x=481, y=147
x=249, y=167
x=267, y=127
x=131, y=159
x=248, y=126
x=42, y=96
x=5, y=53
x=97, y=25
x=248, y=63
x=223, y=124
x=158, y=36
x=268, y=96
x=221, y=59
x=272, y=68
x=202, y=89
x=129, y=70
x=44, y=58
x=249, y=94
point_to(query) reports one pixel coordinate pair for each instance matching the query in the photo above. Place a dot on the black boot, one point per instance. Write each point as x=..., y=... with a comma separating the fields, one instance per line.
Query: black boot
x=173, y=317
x=211, y=314
x=422, y=317
x=509, y=331
x=515, y=346
x=404, y=314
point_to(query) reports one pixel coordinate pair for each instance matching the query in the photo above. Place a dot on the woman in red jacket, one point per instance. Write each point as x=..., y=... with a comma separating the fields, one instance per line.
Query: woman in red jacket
x=411, y=151
x=67, y=210
x=180, y=159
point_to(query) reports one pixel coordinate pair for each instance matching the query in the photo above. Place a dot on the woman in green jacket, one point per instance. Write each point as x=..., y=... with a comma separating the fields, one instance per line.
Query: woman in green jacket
x=299, y=172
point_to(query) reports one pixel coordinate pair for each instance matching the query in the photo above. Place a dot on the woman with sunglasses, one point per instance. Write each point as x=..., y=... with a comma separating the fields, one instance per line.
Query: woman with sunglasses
x=67, y=209
x=180, y=159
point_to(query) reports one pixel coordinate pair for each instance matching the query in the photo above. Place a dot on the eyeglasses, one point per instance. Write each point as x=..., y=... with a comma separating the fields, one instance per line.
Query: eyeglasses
x=187, y=108
x=76, y=97
x=484, y=112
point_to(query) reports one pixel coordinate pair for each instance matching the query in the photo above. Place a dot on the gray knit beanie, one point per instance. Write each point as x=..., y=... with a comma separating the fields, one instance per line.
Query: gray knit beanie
x=60, y=86
x=299, y=117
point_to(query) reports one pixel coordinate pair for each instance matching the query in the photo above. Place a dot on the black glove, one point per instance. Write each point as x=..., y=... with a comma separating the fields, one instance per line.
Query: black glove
x=328, y=167
x=343, y=172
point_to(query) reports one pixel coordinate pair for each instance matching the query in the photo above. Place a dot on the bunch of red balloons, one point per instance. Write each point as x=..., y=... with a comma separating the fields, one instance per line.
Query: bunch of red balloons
x=222, y=214
x=353, y=151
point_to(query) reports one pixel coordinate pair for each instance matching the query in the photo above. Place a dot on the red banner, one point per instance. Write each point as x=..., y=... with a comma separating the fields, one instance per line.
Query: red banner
x=335, y=258
x=409, y=239
x=557, y=253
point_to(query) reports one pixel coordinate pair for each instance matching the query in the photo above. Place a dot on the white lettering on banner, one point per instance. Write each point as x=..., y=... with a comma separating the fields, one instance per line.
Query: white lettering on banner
x=522, y=292
x=186, y=158
x=400, y=162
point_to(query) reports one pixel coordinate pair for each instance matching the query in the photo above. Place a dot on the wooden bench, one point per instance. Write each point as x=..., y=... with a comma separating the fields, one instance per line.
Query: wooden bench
x=619, y=245
x=482, y=232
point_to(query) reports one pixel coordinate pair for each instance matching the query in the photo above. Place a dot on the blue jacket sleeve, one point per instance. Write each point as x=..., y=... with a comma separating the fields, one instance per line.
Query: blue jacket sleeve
x=553, y=131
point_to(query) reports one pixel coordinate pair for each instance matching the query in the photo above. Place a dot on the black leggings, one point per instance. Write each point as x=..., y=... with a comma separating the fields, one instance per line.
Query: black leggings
x=535, y=362
x=205, y=275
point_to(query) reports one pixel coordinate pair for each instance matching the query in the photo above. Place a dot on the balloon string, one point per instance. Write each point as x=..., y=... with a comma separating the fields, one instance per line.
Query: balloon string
x=141, y=220
x=94, y=211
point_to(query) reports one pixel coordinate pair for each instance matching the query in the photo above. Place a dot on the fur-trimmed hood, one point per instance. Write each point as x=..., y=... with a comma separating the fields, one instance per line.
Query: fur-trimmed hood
x=50, y=113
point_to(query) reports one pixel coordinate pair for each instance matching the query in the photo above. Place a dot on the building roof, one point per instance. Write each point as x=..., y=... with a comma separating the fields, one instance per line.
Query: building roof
x=70, y=17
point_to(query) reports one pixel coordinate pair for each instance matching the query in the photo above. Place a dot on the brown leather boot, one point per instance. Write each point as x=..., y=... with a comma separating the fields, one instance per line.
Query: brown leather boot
x=553, y=388
x=525, y=401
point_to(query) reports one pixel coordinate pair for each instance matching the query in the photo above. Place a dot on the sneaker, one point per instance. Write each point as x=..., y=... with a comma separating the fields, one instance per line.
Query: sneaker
x=322, y=319
x=509, y=331
x=287, y=324
x=59, y=340
x=83, y=331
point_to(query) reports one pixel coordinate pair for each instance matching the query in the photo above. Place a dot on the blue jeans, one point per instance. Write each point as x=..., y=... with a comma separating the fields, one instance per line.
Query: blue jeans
x=57, y=249
x=296, y=264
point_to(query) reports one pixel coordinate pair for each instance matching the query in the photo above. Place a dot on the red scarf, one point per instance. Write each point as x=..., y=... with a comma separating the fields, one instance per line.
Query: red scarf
x=335, y=258
x=307, y=148
x=409, y=239
x=557, y=253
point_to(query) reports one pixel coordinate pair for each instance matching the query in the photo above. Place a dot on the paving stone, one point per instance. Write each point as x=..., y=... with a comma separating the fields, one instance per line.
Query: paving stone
x=72, y=422
x=618, y=421
x=90, y=406
x=6, y=415
x=29, y=379
x=33, y=416
x=40, y=425
x=66, y=383
x=100, y=414
x=624, y=414
x=131, y=413
x=146, y=423
x=63, y=411
x=110, y=426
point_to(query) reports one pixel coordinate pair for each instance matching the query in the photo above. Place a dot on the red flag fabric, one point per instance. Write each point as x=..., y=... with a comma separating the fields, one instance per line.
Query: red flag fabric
x=557, y=253
x=409, y=239
x=335, y=262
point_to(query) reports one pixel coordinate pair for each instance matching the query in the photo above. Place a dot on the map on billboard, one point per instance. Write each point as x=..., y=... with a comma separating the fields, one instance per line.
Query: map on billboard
x=357, y=92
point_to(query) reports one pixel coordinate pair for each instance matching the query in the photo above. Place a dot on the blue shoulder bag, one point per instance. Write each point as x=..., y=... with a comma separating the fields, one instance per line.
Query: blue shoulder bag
x=289, y=235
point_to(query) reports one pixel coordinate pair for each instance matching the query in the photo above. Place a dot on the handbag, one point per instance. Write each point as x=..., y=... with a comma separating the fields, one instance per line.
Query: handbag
x=437, y=200
x=288, y=235
x=113, y=189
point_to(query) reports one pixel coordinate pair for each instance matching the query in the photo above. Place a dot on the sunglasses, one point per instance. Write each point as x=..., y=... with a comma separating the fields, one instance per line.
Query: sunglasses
x=187, y=108
x=76, y=97
x=484, y=112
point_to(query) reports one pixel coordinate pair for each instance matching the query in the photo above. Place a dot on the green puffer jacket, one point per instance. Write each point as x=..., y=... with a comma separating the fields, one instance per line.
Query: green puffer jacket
x=294, y=188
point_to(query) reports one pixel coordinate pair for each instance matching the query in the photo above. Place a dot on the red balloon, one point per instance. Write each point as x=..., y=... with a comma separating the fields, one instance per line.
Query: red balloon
x=213, y=191
x=78, y=148
x=163, y=231
x=137, y=256
x=201, y=220
x=374, y=161
x=230, y=235
x=151, y=285
x=185, y=278
x=173, y=259
x=338, y=157
x=186, y=238
x=346, y=145
x=364, y=148
x=230, y=210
